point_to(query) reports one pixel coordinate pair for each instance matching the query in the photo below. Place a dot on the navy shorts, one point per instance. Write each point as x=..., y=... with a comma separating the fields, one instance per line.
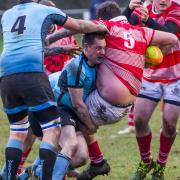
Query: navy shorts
x=27, y=92
x=68, y=117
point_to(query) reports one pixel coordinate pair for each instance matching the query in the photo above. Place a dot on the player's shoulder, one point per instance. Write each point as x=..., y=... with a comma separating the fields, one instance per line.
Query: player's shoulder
x=8, y=12
x=76, y=63
x=73, y=63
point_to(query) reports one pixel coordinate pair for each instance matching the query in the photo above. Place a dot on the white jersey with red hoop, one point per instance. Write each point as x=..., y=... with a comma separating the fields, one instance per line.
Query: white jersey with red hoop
x=126, y=46
x=169, y=69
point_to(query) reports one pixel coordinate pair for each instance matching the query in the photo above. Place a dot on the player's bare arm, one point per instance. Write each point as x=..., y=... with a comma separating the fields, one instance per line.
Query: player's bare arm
x=71, y=50
x=83, y=26
x=62, y=33
x=165, y=40
x=80, y=108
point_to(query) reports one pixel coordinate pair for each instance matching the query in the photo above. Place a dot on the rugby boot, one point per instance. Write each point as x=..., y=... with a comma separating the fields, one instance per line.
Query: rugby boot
x=94, y=170
x=158, y=173
x=72, y=172
x=142, y=170
x=29, y=173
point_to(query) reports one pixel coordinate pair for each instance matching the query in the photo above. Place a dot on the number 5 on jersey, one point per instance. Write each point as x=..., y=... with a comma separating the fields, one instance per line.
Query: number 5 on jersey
x=19, y=25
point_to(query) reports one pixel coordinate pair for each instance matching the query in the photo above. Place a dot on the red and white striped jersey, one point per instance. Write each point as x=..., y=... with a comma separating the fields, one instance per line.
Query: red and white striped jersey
x=125, y=49
x=169, y=69
x=56, y=62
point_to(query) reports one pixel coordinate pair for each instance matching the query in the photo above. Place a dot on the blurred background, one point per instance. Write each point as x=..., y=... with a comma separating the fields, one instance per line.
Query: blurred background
x=76, y=8
x=84, y=9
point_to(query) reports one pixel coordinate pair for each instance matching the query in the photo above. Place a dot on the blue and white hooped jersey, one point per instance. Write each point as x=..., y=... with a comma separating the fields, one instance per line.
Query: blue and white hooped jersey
x=76, y=74
x=24, y=29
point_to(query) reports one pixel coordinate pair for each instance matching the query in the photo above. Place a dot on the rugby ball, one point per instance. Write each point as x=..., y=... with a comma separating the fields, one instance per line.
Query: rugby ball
x=153, y=55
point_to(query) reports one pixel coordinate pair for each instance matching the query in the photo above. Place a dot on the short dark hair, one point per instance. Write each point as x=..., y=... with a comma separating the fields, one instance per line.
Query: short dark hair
x=88, y=38
x=108, y=10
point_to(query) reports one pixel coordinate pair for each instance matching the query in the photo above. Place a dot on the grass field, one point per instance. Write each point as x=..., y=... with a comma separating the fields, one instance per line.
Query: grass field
x=120, y=151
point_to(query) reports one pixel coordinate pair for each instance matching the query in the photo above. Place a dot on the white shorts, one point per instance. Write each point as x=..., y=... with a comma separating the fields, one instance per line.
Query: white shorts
x=170, y=92
x=103, y=112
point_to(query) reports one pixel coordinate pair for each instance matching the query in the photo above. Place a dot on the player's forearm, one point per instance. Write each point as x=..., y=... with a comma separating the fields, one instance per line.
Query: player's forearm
x=166, y=49
x=169, y=26
x=82, y=112
x=50, y=51
x=88, y=27
x=62, y=33
x=127, y=12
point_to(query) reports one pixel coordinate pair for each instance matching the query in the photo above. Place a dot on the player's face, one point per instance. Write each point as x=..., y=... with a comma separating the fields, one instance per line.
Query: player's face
x=95, y=52
x=161, y=5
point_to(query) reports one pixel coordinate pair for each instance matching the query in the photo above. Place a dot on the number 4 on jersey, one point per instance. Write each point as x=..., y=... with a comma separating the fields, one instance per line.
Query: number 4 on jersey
x=19, y=25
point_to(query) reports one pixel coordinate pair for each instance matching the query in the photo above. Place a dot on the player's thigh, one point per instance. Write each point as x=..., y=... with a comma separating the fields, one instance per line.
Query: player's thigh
x=171, y=112
x=144, y=108
x=150, y=94
x=68, y=136
x=68, y=126
x=171, y=100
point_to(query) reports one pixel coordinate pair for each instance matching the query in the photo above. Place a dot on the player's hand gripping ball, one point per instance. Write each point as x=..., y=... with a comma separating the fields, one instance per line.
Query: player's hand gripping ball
x=153, y=55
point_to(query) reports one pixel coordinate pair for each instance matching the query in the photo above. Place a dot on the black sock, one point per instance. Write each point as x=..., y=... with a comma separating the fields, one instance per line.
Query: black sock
x=48, y=158
x=13, y=158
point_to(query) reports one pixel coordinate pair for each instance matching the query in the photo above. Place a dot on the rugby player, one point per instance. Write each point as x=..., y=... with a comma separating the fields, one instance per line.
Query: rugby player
x=159, y=82
x=119, y=76
x=24, y=29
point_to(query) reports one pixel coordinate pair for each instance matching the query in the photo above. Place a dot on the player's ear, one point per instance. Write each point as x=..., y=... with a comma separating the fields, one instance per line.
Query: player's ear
x=85, y=46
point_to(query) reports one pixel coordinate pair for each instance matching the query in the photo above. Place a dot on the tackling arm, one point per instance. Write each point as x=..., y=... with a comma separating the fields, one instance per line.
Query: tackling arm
x=80, y=107
x=164, y=40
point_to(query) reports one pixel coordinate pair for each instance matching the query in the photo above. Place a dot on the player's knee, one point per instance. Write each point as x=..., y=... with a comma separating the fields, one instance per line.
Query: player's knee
x=140, y=120
x=169, y=127
x=83, y=159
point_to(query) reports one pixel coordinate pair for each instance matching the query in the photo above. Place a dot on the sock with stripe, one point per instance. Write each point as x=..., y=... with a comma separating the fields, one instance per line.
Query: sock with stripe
x=95, y=153
x=144, y=144
x=61, y=166
x=164, y=149
x=47, y=154
x=13, y=155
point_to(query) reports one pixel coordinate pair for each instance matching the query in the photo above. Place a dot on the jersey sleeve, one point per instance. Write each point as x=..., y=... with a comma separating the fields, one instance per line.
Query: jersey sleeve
x=136, y=16
x=57, y=16
x=174, y=15
x=53, y=79
x=148, y=33
x=75, y=75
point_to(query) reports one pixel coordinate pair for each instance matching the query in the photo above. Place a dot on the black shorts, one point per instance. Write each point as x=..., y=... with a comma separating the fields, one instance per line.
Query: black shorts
x=69, y=117
x=25, y=92
x=35, y=125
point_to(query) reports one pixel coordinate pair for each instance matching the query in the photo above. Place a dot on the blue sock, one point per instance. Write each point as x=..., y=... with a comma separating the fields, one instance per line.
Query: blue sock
x=47, y=154
x=61, y=166
x=38, y=171
x=3, y=171
x=25, y=175
x=13, y=153
x=36, y=162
